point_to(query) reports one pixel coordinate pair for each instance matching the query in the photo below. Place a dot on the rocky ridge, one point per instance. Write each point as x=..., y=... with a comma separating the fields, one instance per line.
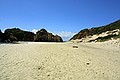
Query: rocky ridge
x=44, y=36
x=16, y=34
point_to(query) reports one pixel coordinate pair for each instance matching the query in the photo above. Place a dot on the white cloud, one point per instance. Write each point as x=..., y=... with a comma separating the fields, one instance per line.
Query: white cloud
x=65, y=35
x=34, y=31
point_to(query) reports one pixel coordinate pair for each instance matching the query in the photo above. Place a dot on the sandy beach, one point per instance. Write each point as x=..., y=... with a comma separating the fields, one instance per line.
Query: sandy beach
x=59, y=61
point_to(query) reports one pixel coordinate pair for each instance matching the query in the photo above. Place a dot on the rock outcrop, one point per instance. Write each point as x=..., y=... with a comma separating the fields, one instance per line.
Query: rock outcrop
x=3, y=37
x=44, y=36
x=16, y=34
x=0, y=35
x=19, y=35
x=102, y=33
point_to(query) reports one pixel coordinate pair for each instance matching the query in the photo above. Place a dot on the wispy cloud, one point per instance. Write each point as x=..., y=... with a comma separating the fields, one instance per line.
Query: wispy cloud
x=65, y=35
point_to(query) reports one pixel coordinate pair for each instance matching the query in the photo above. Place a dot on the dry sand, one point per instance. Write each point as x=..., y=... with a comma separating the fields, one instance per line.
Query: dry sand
x=59, y=61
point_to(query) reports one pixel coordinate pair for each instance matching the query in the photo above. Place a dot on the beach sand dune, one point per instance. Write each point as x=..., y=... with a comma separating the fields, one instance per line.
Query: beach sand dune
x=59, y=61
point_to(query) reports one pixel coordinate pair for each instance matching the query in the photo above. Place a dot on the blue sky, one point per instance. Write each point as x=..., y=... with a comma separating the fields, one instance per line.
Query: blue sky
x=63, y=17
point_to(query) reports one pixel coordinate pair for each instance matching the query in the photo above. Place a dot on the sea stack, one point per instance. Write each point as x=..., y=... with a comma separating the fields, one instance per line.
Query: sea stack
x=44, y=36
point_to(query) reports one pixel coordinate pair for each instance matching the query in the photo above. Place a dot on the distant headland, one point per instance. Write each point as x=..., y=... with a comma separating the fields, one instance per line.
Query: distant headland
x=16, y=34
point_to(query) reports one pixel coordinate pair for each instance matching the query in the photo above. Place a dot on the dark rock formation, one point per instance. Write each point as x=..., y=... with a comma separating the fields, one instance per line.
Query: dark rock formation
x=3, y=37
x=11, y=37
x=19, y=35
x=44, y=36
x=0, y=35
x=96, y=30
x=16, y=34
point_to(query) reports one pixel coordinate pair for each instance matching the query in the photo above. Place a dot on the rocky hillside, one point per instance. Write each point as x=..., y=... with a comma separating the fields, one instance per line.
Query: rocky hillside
x=19, y=34
x=7, y=38
x=102, y=33
x=16, y=34
x=44, y=36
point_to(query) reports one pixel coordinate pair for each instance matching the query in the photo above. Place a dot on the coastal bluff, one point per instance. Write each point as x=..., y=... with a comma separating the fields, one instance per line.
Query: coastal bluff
x=16, y=34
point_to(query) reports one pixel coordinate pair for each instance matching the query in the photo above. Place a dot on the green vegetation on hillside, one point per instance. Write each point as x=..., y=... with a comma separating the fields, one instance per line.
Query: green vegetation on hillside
x=97, y=30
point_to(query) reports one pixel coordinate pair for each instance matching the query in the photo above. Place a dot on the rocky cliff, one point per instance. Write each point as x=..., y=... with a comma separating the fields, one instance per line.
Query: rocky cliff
x=44, y=36
x=16, y=34
x=6, y=38
x=19, y=34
